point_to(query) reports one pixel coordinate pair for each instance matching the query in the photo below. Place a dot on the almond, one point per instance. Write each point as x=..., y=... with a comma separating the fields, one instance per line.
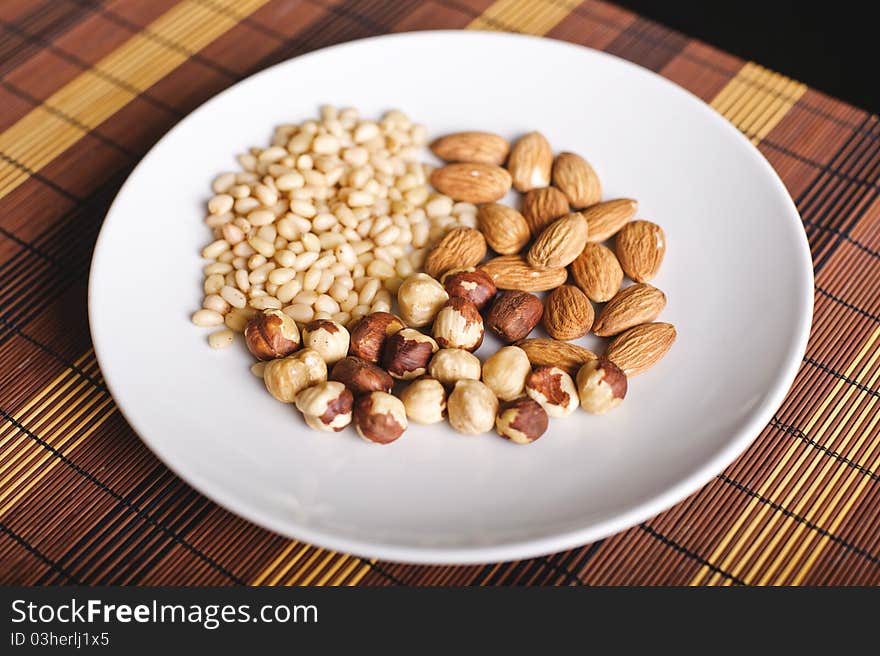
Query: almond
x=460, y=247
x=568, y=313
x=569, y=357
x=513, y=272
x=560, y=243
x=640, y=348
x=472, y=183
x=573, y=175
x=597, y=272
x=543, y=206
x=605, y=219
x=632, y=306
x=530, y=162
x=474, y=147
x=503, y=227
x=640, y=249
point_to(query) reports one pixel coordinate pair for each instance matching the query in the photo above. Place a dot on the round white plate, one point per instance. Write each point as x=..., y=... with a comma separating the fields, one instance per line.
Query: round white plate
x=737, y=274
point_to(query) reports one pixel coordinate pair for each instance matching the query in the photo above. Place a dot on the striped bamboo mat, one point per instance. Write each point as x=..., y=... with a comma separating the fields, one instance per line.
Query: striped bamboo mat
x=87, y=86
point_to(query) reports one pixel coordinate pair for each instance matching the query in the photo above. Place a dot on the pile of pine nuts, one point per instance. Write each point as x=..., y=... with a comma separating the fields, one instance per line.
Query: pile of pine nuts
x=324, y=223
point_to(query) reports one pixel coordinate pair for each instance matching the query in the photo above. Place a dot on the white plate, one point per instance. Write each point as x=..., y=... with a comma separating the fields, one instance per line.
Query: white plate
x=737, y=274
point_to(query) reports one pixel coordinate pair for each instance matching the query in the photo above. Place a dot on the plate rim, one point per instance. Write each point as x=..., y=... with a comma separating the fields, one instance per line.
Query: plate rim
x=519, y=548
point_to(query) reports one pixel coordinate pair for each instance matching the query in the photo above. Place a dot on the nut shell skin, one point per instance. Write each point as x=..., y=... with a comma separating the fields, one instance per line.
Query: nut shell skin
x=474, y=285
x=407, y=353
x=449, y=365
x=379, y=417
x=326, y=406
x=360, y=376
x=472, y=407
x=329, y=338
x=271, y=334
x=505, y=372
x=514, y=315
x=368, y=334
x=554, y=389
x=522, y=421
x=420, y=297
x=458, y=324
x=425, y=401
x=601, y=386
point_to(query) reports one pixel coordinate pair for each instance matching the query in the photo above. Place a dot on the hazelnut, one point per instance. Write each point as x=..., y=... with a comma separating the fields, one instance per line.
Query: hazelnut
x=601, y=386
x=379, y=417
x=425, y=401
x=328, y=338
x=271, y=334
x=474, y=285
x=407, y=353
x=514, y=315
x=505, y=372
x=285, y=378
x=368, y=334
x=451, y=365
x=472, y=407
x=458, y=324
x=315, y=365
x=554, y=389
x=522, y=421
x=419, y=298
x=327, y=406
x=360, y=376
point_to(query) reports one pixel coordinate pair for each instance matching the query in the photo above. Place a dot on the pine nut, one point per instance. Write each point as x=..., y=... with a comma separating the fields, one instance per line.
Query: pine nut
x=288, y=290
x=380, y=269
x=207, y=318
x=262, y=246
x=233, y=296
x=265, y=303
x=258, y=369
x=261, y=217
x=360, y=199
x=273, y=154
x=285, y=258
x=216, y=303
x=349, y=303
x=311, y=242
x=213, y=283
x=220, y=203
x=313, y=277
x=368, y=292
x=281, y=276
x=299, y=312
x=212, y=250
x=217, y=267
x=306, y=297
x=305, y=260
x=223, y=182
x=221, y=339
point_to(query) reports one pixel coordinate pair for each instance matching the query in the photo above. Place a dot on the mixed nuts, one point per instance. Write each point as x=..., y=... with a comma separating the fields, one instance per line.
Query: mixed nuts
x=343, y=368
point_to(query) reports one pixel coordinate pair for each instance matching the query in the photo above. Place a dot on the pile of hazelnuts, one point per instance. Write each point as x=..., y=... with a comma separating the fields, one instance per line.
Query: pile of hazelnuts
x=337, y=376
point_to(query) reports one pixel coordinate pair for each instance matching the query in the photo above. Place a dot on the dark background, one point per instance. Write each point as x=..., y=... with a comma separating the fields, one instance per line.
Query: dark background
x=830, y=46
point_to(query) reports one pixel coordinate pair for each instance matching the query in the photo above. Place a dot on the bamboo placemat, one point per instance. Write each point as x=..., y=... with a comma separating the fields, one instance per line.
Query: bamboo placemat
x=87, y=87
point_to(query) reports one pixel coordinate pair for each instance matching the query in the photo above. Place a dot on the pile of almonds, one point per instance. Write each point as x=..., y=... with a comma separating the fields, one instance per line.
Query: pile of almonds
x=380, y=370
